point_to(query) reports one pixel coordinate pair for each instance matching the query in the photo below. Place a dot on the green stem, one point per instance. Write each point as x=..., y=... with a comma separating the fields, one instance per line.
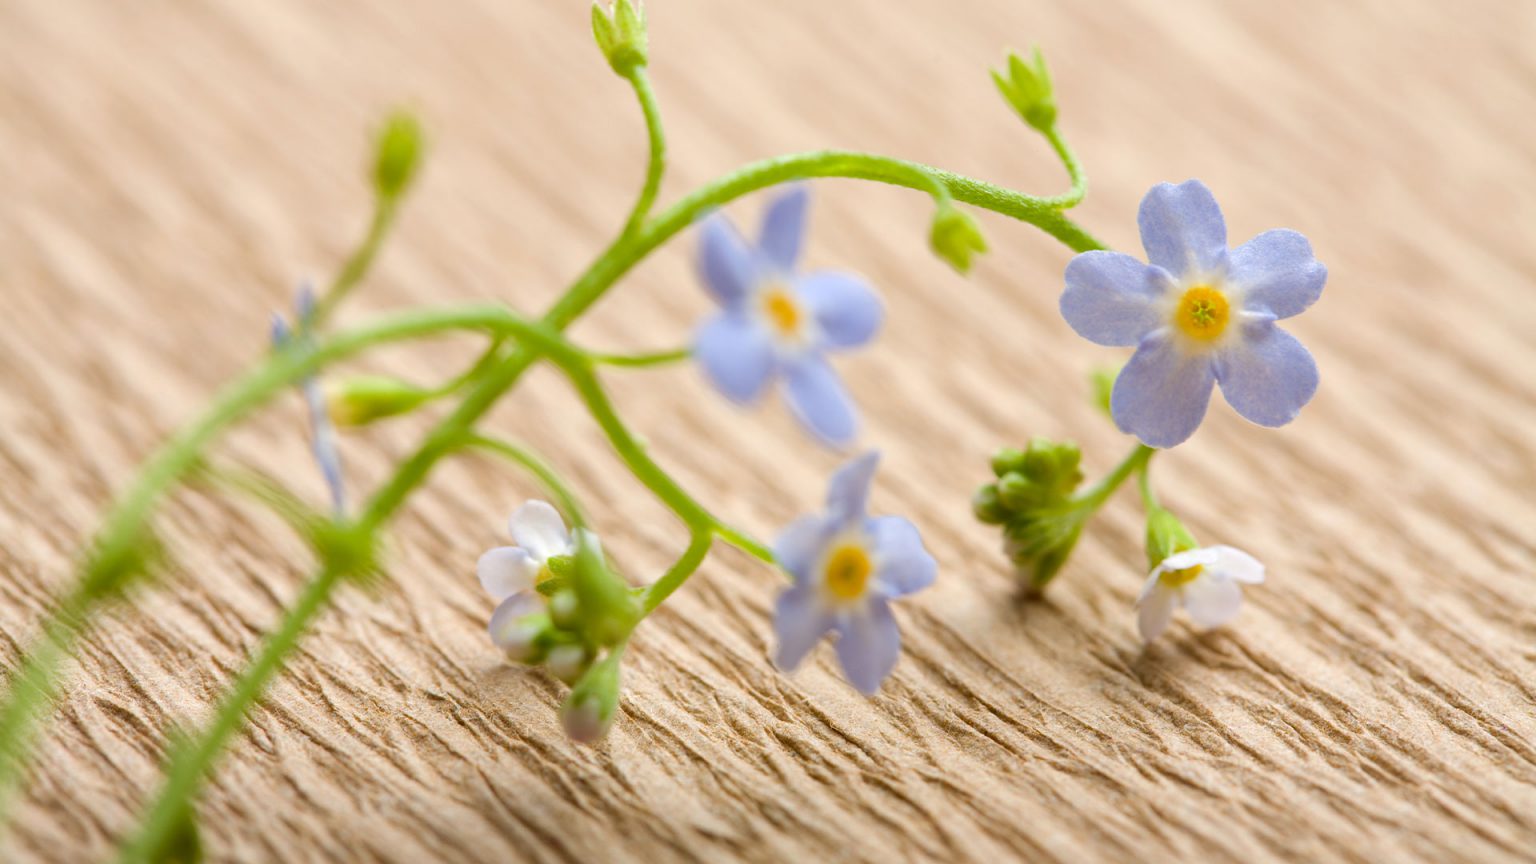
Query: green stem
x=642, y=361
x=1074, y=171
x=539, y=468
x=1144, y=483
x=698, y=547
x=187, y=765
x=359, y=262
x=1134, y=461
x=31, y=688
x=656, y=165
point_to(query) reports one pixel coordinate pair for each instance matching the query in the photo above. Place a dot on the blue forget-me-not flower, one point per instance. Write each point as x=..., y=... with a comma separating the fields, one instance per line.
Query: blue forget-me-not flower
x=778, y=323
x=847, y=567
x=1198, y=314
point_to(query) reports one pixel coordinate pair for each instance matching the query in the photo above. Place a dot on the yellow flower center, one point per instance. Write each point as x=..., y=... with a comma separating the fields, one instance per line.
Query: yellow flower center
x=782, y=309
x=1180, y=578
x=544, y=575
x=1202, y=313
x=847, y=572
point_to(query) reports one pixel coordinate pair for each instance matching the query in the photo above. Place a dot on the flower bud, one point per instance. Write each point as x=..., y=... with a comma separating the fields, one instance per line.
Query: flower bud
x=397, y=156
x=362, y=399
x=987, y=507
x=1007, y=459
x=1027, y=87
x=955, y=237
x=621, y=35
x=589, y=709
x=568, y=662
x=605, y=606
x=1166, y=536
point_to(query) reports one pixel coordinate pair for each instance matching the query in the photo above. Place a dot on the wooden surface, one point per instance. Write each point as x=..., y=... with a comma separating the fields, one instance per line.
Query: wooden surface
x=168, y=171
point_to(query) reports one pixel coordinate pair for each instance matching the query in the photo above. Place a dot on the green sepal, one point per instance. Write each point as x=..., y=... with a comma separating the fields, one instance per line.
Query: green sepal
x=1027, y=87
x=606, y=608
x=1166, y=536
x=621, y=35
x=956, y=237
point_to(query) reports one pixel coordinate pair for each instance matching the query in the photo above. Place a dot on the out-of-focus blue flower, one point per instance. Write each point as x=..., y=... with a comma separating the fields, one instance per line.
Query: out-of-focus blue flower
x=322, y=430
x=847, y=567
x=1199, y=314
x=779, y=323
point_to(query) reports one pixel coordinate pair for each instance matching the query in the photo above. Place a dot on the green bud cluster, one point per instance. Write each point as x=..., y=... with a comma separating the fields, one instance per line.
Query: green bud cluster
x=1027, y=87
x=620, y=34
x=956, y=237
x=1032, y=499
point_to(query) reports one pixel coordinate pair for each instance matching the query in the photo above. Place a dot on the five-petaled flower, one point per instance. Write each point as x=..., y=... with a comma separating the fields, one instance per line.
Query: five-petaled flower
x=1198, y=314
x=512, y=574
x=847, y=567
x=779, y=323
x=1207, y=582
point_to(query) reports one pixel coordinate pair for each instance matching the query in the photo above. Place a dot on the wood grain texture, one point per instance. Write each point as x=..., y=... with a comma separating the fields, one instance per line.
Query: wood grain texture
x=170, y=170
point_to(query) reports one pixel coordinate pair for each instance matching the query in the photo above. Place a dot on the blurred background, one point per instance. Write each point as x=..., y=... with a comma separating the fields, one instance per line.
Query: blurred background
x=172, y=170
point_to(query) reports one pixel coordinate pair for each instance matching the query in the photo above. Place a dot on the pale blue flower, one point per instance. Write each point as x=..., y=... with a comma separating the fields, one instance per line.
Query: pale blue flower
x=847, y=567
x=778, y=323
x=1199, y=314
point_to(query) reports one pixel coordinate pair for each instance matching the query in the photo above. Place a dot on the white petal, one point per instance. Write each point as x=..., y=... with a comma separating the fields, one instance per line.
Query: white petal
x=537, y=527
x=1212, y=601
x=515, y=625
x=1237, y=565
x=1187, y=559
x=1153, y=611
x=506, y=570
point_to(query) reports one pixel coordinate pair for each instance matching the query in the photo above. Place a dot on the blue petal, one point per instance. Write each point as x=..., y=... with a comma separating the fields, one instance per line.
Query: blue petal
x=800, y=622
x=1268, y=375
x=800, y=544
x=1182, y=229
x=905, y=566
x=1161, y=395
x=848, y=491
x=726, y=263
x=784, y=228
x=737, y=355
x=818, y=400
x=1111, y=298
x=1278, y=273
x=847, y=311
x=868, y=645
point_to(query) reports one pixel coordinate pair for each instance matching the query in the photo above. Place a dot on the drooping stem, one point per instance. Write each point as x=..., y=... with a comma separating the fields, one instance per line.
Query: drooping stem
x=359, y=262
x=656, y=164
x=698, y=547
x=539, y=468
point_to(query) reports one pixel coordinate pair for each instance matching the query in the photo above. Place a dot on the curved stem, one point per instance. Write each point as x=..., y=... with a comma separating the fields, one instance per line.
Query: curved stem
x=656, y=165
x=1144, y=483
x=539, y=468
x=359, y=262
x=658, y=591
x=1074, y=170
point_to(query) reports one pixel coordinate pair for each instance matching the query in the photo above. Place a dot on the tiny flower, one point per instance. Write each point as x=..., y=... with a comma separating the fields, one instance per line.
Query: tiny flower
x=322, y=430
x=1199, y=314
x=1207, y=582
x=778, y=323
x=847, y=567
x=512, y=575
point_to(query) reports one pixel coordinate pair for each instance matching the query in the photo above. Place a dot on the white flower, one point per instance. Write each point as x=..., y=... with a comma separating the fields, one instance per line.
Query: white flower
x=1207, y=582
x=510, y=574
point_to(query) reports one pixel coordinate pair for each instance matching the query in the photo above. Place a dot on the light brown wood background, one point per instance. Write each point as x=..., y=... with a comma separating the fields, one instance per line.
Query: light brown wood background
x=169, y=170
